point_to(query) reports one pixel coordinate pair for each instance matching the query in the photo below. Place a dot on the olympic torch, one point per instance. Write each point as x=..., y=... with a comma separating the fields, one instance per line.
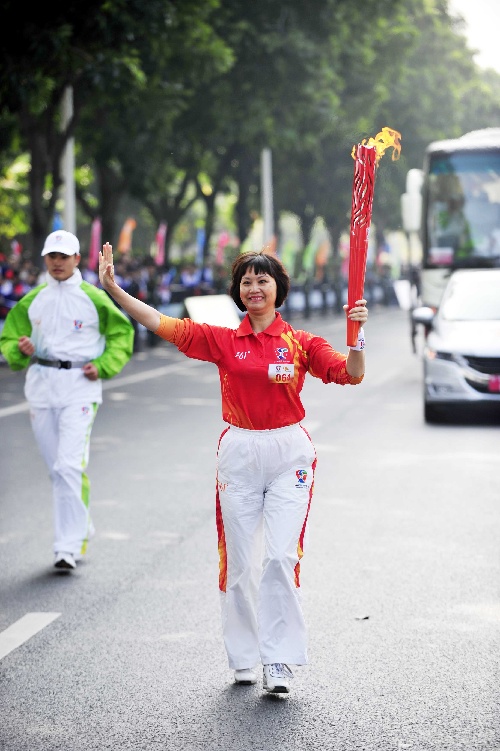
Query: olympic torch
x=366, y=157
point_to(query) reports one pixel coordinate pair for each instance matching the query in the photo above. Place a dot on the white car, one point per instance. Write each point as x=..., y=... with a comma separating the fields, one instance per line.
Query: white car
x=462, y=344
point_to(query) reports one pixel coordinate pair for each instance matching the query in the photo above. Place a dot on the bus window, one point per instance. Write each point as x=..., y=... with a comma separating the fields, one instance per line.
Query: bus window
x=449, y=230
x=463, y=208
x=459, y=205
x=483, y=216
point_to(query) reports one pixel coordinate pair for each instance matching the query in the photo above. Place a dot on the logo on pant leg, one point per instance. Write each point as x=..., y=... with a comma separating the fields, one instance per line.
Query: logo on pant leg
x=301, y=475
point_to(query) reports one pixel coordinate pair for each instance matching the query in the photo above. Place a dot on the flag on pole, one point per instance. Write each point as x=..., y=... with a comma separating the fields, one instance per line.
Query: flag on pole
x=95, y=244
x=200, y=242
x=125, y=239
x=160, y=244
x=221, y=244
x=323, y=253
x=57, y=223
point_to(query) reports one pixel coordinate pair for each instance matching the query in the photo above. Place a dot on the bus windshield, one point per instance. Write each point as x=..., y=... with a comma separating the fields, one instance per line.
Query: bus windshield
x=463, y=209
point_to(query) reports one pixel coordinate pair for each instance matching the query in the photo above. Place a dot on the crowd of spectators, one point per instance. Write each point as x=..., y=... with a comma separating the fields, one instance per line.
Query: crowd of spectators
x=141, y=277
x=17, y=277
x=158, y=285
x=165, y=287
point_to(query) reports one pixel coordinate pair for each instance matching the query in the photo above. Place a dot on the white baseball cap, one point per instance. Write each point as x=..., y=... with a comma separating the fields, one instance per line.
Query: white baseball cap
x=61, y=241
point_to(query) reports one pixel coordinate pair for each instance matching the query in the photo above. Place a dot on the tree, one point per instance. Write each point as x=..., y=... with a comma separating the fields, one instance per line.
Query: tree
x=94, y=47
x=174, y=102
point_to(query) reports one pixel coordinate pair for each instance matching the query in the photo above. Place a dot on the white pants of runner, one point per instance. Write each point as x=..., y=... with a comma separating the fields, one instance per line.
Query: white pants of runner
x=63, y=438
x=265, y=481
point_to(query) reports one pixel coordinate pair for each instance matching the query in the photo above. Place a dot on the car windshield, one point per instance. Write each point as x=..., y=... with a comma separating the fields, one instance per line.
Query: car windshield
x=472, y=300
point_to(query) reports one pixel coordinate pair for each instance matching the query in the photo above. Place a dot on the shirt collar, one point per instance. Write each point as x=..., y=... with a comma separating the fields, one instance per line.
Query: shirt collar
x=275, y=329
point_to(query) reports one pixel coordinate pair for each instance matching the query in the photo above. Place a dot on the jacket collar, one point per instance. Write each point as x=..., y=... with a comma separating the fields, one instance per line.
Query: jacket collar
x=74, y=280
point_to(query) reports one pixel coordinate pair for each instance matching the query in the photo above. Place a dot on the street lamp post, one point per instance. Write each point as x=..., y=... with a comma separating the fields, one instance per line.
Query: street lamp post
x=68, y=165
x=267, y=195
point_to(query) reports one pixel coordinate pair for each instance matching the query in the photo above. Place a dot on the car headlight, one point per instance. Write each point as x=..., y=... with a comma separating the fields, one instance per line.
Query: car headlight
x=470, y=375
x=435, y=354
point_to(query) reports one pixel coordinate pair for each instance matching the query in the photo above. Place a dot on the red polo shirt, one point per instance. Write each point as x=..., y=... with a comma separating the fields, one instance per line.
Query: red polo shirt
x=261, y=375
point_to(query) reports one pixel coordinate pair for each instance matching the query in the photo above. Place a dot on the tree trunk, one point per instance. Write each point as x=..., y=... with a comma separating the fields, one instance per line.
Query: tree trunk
x=335, y=268
x=209, y=224
x=38, y=136
x=111, y=190
x=306, y=223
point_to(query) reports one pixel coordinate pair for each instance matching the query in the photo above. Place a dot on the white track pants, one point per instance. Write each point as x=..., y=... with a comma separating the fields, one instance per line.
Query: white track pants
x=265, y=481
x=63, y=437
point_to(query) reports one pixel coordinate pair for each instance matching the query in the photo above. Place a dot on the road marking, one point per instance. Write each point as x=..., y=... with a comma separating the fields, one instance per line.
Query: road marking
x=148, y=374
x=6, y=411
x=23, y=629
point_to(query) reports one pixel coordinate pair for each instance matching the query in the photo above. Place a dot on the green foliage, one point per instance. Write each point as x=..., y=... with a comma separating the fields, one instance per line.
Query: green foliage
x=170, y=98
x=14, y=201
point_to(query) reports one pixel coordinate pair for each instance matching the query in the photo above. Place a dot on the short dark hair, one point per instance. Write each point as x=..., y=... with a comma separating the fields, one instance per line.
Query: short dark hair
x=261, y=263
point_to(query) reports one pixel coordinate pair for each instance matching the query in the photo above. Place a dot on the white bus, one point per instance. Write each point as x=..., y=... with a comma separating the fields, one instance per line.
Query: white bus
x=454, y=204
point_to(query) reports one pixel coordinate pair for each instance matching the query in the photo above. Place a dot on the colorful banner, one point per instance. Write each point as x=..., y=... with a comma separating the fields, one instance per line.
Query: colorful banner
x=95, y=244
x=125, y=239
x=160, y=244
x=221, y=244
x=57, y=223
x=200, y=242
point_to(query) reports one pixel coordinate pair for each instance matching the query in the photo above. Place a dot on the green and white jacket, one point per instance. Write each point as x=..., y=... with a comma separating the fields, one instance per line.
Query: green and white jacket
x=70, y=320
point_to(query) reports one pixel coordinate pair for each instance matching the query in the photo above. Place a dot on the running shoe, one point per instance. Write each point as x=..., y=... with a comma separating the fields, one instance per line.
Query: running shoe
x=245, y=677
x=277, y=677
x=65, y=561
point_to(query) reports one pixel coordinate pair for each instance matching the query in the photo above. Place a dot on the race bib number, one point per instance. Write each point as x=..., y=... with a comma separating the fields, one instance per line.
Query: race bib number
x=281, y=372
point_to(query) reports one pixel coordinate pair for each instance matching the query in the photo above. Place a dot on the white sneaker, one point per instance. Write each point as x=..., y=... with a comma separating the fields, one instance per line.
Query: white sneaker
x=245, y=677
x=65, y=561
x=277, y=678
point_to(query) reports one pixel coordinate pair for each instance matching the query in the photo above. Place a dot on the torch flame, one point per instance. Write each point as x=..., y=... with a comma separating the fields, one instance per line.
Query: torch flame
x=388, y=137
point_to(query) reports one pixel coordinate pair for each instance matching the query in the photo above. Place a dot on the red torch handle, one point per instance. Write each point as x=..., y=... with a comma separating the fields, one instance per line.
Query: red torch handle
x=361, y=214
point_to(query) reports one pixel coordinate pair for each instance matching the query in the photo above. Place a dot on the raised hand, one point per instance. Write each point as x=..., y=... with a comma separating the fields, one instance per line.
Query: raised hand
x=106, y=267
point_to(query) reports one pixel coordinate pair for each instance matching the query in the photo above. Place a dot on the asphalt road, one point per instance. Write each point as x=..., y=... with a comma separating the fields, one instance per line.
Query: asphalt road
x=400, y=575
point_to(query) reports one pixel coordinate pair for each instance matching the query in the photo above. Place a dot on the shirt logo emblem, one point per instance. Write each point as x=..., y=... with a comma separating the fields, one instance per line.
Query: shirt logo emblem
x=281, y=353
x=77, y=325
